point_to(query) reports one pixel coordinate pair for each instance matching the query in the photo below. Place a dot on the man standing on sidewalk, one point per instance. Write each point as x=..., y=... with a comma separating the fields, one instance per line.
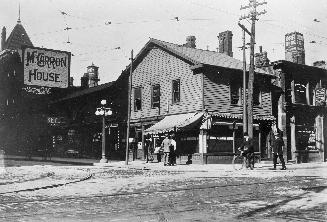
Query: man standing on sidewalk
x=278, y=150
x=165, y=145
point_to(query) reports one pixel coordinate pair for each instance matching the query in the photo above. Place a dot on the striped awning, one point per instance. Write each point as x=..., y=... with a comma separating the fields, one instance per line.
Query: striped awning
x=175, y=123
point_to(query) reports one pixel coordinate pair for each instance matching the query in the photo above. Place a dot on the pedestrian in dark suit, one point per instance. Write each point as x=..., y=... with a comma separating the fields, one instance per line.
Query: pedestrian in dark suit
x=248, y=151
x=278, y=150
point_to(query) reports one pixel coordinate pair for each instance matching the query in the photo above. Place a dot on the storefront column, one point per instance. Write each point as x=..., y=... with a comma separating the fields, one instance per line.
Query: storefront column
x=203, y=141
x=293, y=137
x=320, y=136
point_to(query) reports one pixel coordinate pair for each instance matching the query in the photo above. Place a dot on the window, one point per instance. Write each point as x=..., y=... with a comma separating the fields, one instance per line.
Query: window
x=300, y=92
x=236, y=92
x=176, y=91
x=256, y=95
x=156, y=96
x=137, y=99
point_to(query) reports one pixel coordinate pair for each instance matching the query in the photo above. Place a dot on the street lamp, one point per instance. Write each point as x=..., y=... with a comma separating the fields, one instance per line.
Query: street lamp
x=103, y=111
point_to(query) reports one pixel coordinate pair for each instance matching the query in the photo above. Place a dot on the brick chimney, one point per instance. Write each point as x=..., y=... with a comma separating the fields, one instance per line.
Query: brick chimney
x=190, y=41
x=225, y=43
x=3, y=38
x=261, y=58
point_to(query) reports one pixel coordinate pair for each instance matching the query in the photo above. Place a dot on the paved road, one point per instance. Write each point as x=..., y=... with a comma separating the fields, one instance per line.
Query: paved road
x=132, y=195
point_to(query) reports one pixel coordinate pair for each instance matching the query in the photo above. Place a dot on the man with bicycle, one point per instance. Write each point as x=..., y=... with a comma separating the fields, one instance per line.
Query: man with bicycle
x=247, y=150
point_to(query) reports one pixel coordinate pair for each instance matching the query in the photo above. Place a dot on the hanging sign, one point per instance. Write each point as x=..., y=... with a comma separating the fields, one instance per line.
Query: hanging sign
x=46, y=67
x=320, y=96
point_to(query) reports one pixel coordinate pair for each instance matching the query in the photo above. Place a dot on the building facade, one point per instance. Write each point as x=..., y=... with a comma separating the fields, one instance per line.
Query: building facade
x=197, y=95
x=302, y=110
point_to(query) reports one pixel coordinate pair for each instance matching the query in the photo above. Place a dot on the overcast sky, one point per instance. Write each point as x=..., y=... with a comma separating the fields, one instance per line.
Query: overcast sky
x=92, y=39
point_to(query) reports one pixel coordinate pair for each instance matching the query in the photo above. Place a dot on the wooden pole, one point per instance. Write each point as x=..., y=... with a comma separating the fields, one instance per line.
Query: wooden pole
x=245, y=120
x=129, y=109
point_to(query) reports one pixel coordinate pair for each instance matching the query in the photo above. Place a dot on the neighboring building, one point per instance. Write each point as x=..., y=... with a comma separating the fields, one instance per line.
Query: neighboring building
x=77, y=130
x=23, y=108
x=294, y=48
x=302, y=110
x=196, y=94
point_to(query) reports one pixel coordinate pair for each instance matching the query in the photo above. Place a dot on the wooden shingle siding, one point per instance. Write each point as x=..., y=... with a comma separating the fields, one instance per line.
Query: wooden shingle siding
x=217, y=95
x=160, y=67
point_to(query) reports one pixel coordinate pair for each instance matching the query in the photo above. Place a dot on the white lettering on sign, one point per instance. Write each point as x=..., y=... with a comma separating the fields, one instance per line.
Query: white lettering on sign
x=44, y=67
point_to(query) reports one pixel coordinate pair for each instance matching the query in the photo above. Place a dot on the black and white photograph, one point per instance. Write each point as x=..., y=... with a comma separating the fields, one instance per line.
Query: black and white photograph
x=163, y=110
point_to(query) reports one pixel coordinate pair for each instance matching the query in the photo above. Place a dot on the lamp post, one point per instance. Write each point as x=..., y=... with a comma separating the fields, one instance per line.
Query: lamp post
x=103, y=111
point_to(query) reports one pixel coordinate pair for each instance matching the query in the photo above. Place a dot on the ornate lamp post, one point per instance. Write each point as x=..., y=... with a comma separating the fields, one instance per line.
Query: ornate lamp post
x=103, y=111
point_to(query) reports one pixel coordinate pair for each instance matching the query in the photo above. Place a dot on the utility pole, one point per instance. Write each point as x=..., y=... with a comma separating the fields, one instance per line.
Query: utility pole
x=245, y=117
x=253, y=16
x=129, y=108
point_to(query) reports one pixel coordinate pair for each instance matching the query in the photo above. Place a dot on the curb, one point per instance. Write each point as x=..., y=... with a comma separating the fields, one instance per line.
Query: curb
x=50, y=186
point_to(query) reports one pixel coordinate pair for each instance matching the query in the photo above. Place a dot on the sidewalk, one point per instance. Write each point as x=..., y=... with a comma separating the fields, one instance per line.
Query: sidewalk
x=73, y=161
x=142, y=165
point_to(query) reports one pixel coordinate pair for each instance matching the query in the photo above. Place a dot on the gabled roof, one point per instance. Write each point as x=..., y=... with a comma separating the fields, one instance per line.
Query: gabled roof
x=17, y=38
x=202, y=57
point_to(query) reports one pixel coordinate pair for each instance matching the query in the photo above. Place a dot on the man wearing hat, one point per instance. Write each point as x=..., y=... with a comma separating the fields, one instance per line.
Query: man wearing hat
x=248, y=151
x=278, y=147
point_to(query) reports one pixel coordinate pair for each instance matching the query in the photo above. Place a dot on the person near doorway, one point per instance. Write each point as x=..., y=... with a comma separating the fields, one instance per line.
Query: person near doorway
x=165, y=146
x=278, y=149
x=172, y=153
x=248, y=151
x=148, y=150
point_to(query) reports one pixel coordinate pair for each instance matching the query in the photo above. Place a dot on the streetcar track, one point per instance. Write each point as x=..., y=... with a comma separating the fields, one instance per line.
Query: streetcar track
x=148, y=192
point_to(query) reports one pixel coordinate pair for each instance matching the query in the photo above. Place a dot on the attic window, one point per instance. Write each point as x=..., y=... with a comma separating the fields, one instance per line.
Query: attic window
x=137, y=99
x=176, y=91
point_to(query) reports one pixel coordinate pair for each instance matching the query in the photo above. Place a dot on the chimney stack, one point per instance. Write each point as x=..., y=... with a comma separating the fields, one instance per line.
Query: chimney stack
x=294, y=48
x=261, y=58
x=225, y=43
x=190, y=41
x=3, y=38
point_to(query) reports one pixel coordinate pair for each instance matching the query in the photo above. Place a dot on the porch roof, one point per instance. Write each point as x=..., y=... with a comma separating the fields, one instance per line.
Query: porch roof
x=175, y=122
x=240, y=116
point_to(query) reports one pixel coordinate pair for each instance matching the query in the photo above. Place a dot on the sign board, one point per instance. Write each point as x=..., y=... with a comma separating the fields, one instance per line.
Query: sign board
x=46, y=67
x=320, y=96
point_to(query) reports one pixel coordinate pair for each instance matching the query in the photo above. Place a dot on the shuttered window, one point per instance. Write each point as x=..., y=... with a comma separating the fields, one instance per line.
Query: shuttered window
x=256, y=95
x=156, y=96
x=236, y=92
x=137, y=99
x=176, y=91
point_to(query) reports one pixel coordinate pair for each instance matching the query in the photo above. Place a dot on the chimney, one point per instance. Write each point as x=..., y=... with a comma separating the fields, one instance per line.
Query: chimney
x=71, y=81
x=294, y=48
x=261, y=58
x=225, y=43
x=85, y=81
x=190, y=41
x=3, y=38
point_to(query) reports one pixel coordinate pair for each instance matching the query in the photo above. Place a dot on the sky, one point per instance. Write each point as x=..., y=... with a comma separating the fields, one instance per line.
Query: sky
x=104, y=32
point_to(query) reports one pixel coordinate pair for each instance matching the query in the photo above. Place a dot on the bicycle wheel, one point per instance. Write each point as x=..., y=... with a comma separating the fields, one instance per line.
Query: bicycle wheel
x=238, y=162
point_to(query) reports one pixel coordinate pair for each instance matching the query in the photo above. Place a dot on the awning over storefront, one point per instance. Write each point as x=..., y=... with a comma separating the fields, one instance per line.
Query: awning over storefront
x=175, y=122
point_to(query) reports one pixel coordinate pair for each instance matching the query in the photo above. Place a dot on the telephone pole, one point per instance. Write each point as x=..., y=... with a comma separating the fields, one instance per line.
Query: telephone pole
x=253, y=14
x=129, y=108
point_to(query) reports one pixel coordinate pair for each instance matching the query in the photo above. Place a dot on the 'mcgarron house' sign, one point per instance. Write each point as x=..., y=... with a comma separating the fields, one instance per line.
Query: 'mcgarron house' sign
x=46, y=67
